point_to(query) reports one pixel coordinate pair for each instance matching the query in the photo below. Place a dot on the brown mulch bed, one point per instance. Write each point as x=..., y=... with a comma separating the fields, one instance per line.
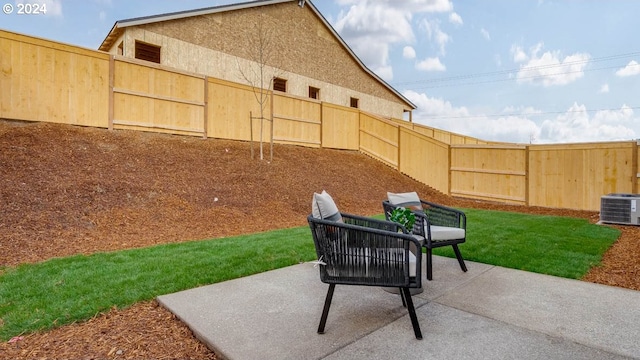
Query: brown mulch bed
x=68, y=190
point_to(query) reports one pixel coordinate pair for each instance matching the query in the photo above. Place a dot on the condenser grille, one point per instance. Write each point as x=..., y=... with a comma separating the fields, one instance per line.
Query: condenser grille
x=615, y=210
x=620, y=209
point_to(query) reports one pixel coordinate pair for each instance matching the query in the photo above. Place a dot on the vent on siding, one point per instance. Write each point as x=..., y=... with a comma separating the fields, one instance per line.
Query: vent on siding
x=314, y=93
x=280, y=84
x=147, y=52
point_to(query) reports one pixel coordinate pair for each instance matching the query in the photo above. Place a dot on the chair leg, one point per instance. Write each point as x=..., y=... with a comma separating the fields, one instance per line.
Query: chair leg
x=429, y=264
x=459, y=256
x=325, y=311
x=404, y=302
x=412, y=313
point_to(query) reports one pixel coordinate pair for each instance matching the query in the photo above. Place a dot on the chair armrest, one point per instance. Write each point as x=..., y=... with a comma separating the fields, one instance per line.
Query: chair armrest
x=440, y=215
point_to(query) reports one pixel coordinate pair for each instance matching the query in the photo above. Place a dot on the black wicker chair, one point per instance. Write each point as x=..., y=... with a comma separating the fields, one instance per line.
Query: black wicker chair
x=433, y=223
x=365, y=251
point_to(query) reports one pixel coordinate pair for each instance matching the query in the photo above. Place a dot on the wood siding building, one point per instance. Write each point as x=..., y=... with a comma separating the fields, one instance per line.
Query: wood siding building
x=288, y=40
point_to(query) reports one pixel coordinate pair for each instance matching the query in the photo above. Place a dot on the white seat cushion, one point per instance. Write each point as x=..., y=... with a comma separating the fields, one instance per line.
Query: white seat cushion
x=439, y=233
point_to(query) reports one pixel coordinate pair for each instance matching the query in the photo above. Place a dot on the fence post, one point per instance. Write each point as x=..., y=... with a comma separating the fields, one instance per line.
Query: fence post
x=526, y=175
x=112, y=69
x=271, y=142
x=399, y=146
x=251, y=131
x=634, y=164
x=321, y=124
x=449, y=150
x=205, y=122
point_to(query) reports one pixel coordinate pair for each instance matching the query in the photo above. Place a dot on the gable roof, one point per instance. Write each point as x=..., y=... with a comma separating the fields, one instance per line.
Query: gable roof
x=118, y=29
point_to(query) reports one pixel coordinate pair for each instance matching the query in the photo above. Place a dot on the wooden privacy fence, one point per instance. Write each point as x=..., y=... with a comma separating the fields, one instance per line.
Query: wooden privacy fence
x=46, y=81
x=489, y=172
x=145, y=97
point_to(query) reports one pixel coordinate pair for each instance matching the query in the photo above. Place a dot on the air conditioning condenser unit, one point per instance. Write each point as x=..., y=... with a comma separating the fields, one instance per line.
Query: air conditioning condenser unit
x=620, y=209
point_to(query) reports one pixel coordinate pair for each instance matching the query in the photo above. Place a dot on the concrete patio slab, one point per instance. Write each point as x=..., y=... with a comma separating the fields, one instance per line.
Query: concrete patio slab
x=487, y=312
x=454, y=334
x=596, y=315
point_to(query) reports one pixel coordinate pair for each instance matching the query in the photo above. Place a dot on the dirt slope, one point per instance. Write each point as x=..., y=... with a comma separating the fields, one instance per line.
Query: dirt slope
x=68, y=190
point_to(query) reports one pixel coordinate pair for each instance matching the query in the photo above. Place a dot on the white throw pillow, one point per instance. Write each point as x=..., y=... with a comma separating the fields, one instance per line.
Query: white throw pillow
x=409, y=200
x=323, y=207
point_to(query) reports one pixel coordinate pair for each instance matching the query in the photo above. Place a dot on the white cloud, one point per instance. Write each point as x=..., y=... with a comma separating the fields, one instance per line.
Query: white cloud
x=385, y=72
x=575, y=125
x=485, y=34
x=409, y=52
x=436, y=34
x=517, y=124
x=377, y=55
x=550, y=69
x=369, y=30
x=53, y=7
x=384, y=23
x=434, y=107
x=632, y=68
x=518, y=54
x=430, y=64
x=455, y=19
x=443, y=115
x=427, y=5
x=604, y=89
x=372, y=27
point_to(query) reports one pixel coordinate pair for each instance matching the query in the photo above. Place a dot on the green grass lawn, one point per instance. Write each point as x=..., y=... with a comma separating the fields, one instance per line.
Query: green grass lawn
x=553, y=245
x=60, y=291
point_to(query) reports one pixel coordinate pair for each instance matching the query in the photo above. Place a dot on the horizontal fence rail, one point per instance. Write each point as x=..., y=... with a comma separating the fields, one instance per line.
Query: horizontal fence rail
x=42, y=80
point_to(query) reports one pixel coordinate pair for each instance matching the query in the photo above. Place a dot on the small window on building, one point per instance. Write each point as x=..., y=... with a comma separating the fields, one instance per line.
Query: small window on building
x=147, y=52
x=354, y=103
x=121, y=48
x=280, y=84
x=314, y=93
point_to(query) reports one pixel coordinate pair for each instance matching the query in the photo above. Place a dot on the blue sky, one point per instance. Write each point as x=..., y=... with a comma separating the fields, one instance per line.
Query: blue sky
x=526, y=71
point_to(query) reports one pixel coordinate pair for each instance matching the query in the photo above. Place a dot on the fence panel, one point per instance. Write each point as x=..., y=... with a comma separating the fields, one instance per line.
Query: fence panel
x=489, y=172
x=296, y=120
x=379, y=139
x=575, y=176
x=424, y=159
x=152, y=98
x=340, y=127
x=46, y=81
x=229, y=105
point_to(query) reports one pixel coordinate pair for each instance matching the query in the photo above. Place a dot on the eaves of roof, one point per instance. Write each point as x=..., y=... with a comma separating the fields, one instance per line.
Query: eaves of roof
x=119, y=26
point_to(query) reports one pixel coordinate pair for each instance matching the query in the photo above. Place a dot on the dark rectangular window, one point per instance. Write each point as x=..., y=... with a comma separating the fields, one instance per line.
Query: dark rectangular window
x=354, y=103
x=280, y=84
x=147, y=52
x=314, y=93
